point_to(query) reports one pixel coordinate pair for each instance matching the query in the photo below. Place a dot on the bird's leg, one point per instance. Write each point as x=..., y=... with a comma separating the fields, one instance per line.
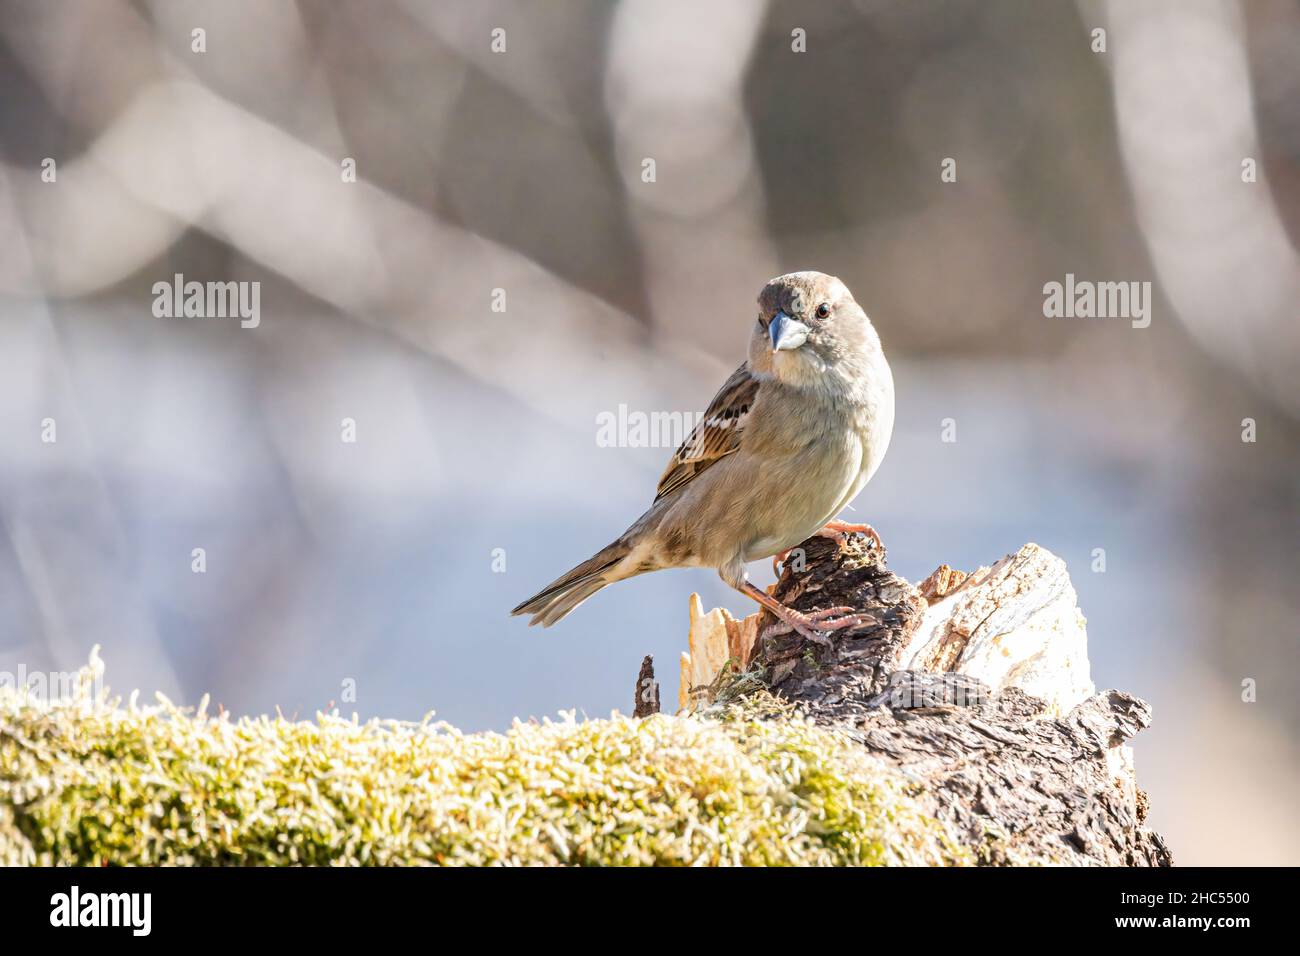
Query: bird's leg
x=778, y=560
x=812, y=624
x=837, y=529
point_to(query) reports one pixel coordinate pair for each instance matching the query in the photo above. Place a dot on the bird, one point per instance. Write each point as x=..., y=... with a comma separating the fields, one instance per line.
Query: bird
x=784, y=446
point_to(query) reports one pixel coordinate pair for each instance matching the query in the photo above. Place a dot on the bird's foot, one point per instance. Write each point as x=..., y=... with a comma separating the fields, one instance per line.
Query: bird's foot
x=837, y=530
x=815, y=626
x=779, y=628
x=838, y=618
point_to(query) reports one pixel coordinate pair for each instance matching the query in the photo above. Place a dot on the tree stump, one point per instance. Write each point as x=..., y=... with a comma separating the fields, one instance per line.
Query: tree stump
x=976, y=685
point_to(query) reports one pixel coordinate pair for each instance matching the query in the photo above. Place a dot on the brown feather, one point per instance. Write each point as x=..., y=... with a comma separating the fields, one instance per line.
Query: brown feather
x=716, y=436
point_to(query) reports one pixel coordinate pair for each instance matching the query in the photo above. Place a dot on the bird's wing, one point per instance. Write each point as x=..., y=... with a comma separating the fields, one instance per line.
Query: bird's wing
x=717, y=435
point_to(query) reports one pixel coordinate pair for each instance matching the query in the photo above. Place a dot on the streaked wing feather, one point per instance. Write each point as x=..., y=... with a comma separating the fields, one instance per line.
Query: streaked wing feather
x=717, y=435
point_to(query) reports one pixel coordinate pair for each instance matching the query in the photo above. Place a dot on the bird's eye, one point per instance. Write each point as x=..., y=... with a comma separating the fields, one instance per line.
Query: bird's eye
x=823, y=311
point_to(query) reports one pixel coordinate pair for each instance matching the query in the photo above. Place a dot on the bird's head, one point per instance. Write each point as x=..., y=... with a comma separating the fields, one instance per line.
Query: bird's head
x=808, y=327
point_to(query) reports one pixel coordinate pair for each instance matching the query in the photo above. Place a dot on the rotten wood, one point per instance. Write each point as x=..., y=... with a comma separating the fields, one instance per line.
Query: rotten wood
x=976, y=684
x=647, y=690
x=716, y=640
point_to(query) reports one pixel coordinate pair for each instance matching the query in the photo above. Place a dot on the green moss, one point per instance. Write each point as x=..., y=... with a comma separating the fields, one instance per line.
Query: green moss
x=87, y=781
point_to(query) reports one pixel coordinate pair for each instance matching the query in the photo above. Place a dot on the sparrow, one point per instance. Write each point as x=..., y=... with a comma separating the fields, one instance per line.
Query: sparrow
x=789, y=440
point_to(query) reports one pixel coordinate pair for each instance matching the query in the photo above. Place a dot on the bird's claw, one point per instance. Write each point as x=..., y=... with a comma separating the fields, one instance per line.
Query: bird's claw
x=827, y=619
x=779, y=628
x=816, y=636
x=775, y=629
x=839, y=530
x=822, y=613
x=849, y=620
x=816, y=626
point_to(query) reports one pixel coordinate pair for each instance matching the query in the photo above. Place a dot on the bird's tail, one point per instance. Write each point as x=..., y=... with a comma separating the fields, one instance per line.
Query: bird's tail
x=565, y=593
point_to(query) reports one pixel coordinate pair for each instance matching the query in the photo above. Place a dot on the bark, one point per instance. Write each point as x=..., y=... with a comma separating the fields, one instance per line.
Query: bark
x=976, y=685
x=647, y=690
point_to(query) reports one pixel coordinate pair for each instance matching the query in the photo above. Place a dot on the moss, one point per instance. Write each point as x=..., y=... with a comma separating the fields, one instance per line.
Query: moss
x=87, y=781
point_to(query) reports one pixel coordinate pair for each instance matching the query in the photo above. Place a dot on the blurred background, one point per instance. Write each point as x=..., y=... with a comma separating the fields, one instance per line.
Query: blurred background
x=383, y=569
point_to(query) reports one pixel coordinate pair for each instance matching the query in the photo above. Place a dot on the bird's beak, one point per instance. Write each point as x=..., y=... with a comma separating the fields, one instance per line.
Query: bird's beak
x=786, y=333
